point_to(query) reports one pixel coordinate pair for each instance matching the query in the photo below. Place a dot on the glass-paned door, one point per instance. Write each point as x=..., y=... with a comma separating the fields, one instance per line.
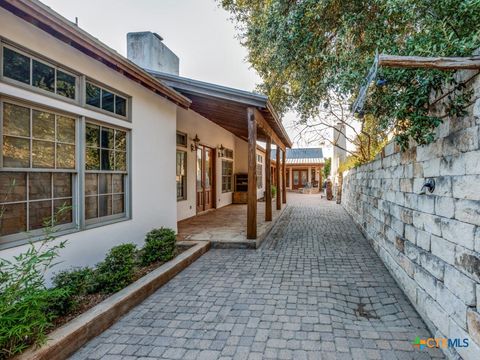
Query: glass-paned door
x=205, y=178
x=300, y=178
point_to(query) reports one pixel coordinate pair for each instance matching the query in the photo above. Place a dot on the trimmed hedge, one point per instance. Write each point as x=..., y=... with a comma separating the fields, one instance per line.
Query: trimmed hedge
x=159, y=246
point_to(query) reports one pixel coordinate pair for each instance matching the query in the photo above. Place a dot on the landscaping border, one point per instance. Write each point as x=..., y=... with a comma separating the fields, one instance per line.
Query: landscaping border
x=65, y=340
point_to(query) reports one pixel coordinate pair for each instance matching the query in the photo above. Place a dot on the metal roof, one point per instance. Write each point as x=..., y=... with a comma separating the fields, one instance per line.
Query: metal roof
x=302, y=156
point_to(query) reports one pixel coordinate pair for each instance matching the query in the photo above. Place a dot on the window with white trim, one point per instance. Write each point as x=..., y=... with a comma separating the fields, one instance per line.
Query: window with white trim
x=227, y=176
x=181, y=175
x=181, y=139
x=228, y=153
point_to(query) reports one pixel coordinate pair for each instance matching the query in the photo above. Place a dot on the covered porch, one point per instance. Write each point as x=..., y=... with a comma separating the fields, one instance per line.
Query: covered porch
x=251, y=118
x=227, y=226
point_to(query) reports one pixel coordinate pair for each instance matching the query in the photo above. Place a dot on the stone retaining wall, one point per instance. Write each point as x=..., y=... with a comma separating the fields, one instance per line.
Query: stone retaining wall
x=430, y=243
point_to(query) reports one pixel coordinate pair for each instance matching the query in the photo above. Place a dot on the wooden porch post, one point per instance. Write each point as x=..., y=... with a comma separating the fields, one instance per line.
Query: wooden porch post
x=277, y=173
x=268, y=181
x=252, y=175
x=284, y=177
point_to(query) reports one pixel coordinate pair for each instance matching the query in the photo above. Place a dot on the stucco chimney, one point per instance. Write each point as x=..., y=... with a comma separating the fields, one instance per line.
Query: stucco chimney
x=147, y=50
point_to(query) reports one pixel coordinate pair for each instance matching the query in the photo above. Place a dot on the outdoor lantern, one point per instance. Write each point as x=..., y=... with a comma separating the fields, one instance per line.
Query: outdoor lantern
x=196, y=141
x=221, y=151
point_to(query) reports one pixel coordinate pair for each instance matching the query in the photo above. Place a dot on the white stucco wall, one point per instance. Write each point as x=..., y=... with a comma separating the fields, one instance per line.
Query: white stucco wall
x=152, y=147
x=211, y=135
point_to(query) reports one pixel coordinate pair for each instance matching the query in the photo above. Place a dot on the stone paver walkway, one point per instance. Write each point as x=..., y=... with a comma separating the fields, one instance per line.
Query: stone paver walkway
x=314, y=290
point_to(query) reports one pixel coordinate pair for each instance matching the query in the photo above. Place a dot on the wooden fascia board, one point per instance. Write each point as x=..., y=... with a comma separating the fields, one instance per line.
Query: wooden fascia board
x=211, y=91
x=263, y=124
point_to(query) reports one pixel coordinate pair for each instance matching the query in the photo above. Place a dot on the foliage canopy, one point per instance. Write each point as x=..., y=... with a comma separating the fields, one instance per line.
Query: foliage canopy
x=306, y=50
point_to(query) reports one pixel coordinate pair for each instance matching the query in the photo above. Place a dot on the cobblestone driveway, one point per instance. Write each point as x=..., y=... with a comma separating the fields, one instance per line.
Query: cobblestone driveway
x=315, y=290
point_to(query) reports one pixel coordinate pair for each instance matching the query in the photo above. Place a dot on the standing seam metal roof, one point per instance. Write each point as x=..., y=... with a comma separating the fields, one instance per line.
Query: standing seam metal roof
x=302, y=155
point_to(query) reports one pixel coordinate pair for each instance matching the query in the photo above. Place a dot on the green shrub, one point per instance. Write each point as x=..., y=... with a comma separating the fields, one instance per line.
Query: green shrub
x=78, y=281
x=75, y=283
x=274, y=191
x=24, y=300
x=117, y=270
x=60, y=302
x=159, y=246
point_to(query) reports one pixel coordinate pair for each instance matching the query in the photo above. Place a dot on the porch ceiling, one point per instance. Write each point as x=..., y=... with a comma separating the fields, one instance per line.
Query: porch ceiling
x=227, y=107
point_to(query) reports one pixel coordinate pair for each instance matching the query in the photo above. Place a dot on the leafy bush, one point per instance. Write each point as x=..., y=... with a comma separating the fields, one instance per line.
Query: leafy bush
x=78, y=281
x=274, y=191
x=75, y=283
x=159, y=246
x=24, y=299
x=117, y=270
x=60, y=302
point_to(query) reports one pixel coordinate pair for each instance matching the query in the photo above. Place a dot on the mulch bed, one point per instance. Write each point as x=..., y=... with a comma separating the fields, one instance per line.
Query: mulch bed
x=86, y=302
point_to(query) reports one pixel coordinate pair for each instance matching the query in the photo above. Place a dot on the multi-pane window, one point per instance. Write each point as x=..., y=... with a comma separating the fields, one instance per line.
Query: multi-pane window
x=181, y=139
x=38, y=163
x=106, y=170
x=104, y=99
x=227, y=175
x=228, y=153
x=37, y=73
x=181, y=175
x=41, y=169
x=38, y=139
x=32, y=200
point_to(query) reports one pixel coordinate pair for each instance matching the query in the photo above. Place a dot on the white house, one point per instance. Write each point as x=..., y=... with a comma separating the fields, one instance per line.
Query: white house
x=126, y=149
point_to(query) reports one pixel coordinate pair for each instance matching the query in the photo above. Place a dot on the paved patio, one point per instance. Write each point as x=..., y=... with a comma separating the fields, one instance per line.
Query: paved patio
x=227, y=227
x=314, y=290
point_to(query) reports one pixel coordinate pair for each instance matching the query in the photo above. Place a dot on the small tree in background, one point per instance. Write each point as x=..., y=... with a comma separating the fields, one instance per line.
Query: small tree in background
x=327, y=168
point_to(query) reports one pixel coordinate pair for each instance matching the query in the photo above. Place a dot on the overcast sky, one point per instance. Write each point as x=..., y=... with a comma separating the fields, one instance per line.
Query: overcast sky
x=198, y=31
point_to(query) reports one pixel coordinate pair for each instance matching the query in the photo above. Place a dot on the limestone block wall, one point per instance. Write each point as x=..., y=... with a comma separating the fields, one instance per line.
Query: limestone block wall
x=430, y=243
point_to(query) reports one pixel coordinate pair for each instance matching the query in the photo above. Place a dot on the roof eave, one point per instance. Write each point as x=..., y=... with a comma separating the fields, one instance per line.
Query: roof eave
x=208, y=89
x=190, y=86
x=278, y=122
x=56, y=25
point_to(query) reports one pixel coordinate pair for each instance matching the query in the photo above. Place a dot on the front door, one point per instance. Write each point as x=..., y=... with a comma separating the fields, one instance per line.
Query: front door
x=300, y=178
x=205, y=178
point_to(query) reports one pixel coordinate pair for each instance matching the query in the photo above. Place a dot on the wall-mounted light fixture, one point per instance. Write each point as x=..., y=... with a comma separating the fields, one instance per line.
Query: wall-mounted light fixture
x=428, y=185
x=221, y=151
x=196, y=141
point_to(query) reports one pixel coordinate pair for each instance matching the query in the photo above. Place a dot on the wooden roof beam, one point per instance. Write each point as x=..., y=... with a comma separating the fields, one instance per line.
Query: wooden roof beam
x=419, y=62
x=263, y=124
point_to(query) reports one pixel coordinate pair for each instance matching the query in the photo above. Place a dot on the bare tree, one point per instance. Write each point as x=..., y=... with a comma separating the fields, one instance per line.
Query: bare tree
x=335, y=111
